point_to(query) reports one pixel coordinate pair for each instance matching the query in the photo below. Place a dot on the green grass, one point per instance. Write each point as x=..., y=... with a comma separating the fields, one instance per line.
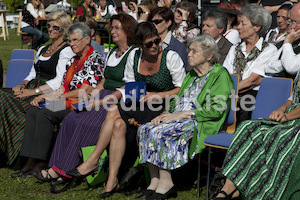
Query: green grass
x=31, y=188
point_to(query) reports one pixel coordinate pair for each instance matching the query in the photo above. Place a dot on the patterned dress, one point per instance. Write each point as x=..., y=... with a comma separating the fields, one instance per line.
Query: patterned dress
x=166, y=145
x=262, y=154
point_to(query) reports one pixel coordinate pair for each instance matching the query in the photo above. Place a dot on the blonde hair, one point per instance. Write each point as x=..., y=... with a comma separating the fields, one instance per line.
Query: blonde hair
x=64, y=20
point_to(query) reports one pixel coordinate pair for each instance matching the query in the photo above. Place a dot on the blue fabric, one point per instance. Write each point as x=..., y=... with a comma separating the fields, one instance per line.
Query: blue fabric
x=97, y=47
x=178, y=47
x=222, y=139
x=22, y=54
x=40, y=37
x=22, y=67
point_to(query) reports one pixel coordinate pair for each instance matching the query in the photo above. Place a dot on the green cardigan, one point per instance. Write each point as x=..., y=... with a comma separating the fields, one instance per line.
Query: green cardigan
x=210, y=120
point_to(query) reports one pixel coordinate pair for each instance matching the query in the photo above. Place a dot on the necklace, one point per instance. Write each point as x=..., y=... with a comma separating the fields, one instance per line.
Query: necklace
x=119, y=54
x=52, y=49
x=150, y=68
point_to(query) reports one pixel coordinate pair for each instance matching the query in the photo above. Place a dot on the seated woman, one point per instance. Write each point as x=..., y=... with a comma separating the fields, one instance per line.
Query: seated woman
x=84, y=71
x=249, y=58
x=30, y=13
x=87, y=7
x=163, y=71
x=263, y=159
x=164, y=142
x=80, y=129
x=106, y=10
x=184, y=16
x=46, y=75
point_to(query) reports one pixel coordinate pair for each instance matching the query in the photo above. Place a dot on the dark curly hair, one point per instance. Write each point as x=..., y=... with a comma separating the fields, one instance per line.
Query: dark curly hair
x=143, y=31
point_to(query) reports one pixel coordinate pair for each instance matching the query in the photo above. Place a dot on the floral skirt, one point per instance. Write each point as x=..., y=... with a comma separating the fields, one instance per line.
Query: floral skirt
x=166, y=145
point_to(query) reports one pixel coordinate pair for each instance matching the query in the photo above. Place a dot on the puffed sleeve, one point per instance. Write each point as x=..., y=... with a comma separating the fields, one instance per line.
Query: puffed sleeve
x=176, y=67
x=128, y=72
x=64, y=56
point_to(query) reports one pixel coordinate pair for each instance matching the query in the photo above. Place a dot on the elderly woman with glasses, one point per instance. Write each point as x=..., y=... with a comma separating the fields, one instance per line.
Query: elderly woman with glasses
x=184, y=16
x=80, y=129
x=163, y=72
x=164, y=142
x=84, y=71
x=46, y=75
x=31, y=12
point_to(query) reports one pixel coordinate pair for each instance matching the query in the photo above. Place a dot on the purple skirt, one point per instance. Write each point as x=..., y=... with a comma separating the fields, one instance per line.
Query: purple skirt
x=77, y=130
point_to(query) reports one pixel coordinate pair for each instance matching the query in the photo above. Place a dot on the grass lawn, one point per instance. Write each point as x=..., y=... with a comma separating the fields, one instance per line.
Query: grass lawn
x=30, y=188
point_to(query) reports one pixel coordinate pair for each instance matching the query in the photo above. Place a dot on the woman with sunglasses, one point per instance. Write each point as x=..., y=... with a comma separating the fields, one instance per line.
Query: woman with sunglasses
x=83, y=73
x=164, y=143
x=31, y=12
x=184, y=16
x=163, y=71
x=46, y=75
x=80, y=129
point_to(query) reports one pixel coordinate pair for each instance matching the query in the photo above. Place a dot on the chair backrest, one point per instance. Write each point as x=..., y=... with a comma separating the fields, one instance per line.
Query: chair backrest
x=230, y=121
x=272, y=93
x=28, y=54
x=17, y=71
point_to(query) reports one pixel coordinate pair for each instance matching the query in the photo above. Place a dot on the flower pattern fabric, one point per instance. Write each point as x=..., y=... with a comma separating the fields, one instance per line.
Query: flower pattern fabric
x=183, y=34
x=166, y=145
x=91, y=73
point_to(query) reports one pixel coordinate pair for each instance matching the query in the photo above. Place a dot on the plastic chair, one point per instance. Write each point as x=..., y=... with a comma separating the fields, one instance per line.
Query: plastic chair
x=27, y=54
x=229, y=126
x=17, y=71
x=272, y=94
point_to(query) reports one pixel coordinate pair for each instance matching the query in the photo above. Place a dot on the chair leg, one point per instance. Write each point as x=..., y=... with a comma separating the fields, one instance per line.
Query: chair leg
x=208, y=172
x=198, y=178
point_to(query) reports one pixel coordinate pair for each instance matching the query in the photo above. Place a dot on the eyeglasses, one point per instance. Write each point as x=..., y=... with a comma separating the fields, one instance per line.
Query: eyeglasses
x=150, y=44
x=76, y=41
x=157, y=21
x=179, y=12
x=194, y=51
x=116, y=28
x=140, y=11
x=54, y=27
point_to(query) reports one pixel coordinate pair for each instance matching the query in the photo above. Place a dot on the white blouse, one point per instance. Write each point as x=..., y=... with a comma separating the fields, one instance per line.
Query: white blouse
x=256, y=66
x=64, y=56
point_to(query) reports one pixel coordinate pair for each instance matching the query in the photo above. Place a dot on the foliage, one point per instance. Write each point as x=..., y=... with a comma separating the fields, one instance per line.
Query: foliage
x=12, y=5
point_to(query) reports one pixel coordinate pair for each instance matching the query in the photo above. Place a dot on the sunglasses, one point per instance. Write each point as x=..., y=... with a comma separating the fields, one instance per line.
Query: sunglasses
x=54, y=27
x=179, y=12
x=157, y=21
x=150, y=44
x=140, y=11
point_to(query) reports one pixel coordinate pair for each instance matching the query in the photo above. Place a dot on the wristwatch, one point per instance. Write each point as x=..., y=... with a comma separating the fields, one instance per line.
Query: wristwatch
x=37, y=90
x=193, y=116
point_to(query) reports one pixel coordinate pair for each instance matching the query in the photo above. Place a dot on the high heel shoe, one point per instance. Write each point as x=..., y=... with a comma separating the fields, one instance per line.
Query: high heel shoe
x=172, y=193
x=75, y=173
x=38, y=175
x=145, y=194
x=228, y=196
x=105, y=195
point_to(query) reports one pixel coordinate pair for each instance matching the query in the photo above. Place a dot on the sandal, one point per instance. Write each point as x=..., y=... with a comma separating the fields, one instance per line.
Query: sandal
x=228, y=196
x=38, y=175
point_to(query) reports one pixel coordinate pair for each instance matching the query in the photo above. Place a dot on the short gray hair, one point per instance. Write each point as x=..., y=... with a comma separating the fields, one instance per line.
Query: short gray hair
x=80, y=27
x=208, y=46
x=220, y=18
x=258, y=16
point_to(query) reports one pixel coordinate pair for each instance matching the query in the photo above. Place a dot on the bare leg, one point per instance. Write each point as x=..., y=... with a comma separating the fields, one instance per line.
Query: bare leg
x=116, y=153
x=154, y=173
x=52, y=173
x=103, y=141
x=165, y=181
x=229, y=187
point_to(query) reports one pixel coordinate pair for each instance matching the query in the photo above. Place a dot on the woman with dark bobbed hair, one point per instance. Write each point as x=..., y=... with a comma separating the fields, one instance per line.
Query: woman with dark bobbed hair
x=184, y=15
x=163, y=72
x=249, y=58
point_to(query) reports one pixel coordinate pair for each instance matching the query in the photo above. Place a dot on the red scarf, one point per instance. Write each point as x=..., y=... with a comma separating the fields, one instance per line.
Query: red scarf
x=76, y=66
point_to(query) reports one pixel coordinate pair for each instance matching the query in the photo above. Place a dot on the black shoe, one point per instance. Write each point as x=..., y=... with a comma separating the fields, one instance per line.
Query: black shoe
x=38, y=175
x=172, y=193
x=75, y=173
x=22, y=174
x=60, y=182
x=108, y=194
x=145, y=194
x=228, y=196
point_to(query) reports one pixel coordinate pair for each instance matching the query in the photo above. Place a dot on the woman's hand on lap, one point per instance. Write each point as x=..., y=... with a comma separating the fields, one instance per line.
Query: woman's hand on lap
x=276, y=115
x=37, y=100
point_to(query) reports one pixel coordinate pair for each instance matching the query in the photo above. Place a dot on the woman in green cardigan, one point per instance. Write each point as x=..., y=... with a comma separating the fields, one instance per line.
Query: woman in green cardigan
x=199, y=110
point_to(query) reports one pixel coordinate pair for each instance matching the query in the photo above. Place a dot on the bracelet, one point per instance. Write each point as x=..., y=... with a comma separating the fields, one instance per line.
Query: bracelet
x=286, y=117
